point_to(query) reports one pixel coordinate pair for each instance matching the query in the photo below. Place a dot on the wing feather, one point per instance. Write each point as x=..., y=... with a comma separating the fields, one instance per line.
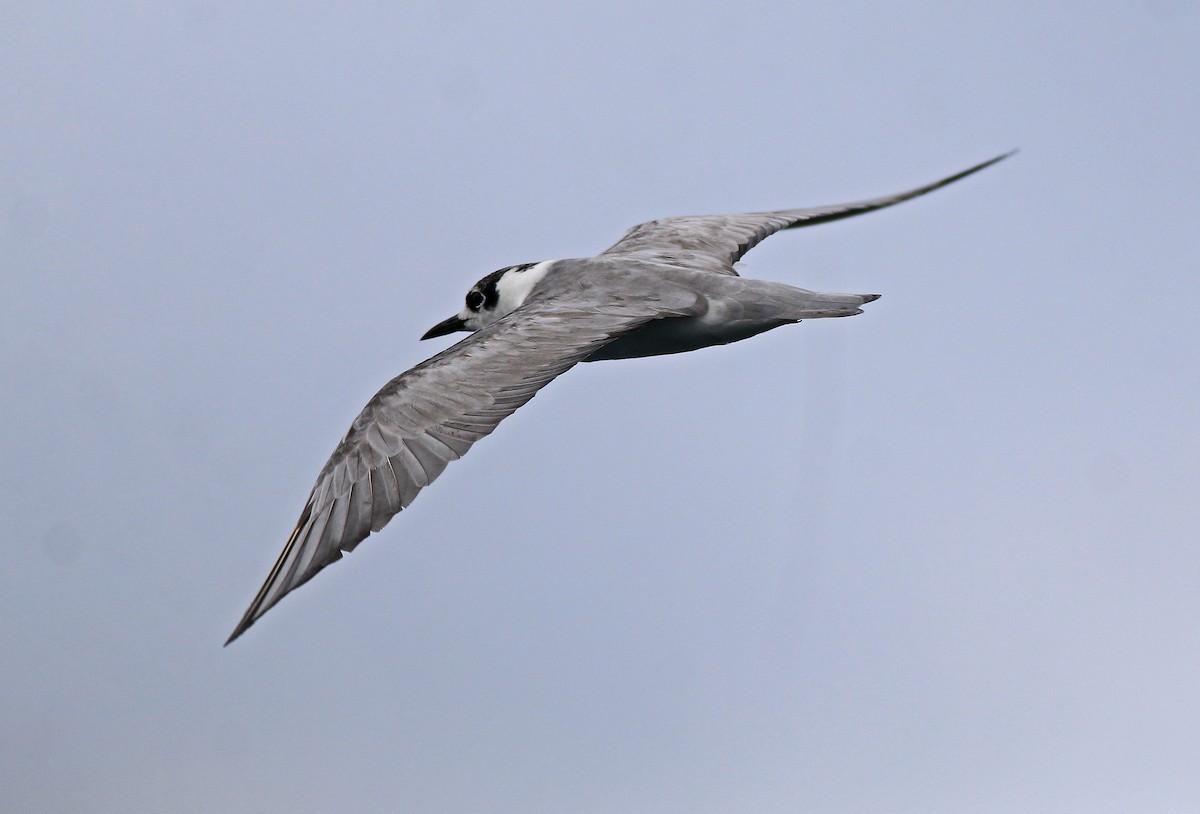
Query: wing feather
x=716, y=242
x=385, y=496
x=358, y=514
x=409, y=488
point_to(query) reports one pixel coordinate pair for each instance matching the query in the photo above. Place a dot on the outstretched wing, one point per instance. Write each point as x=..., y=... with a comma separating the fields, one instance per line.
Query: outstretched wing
x=716, y=242
x=433, y=413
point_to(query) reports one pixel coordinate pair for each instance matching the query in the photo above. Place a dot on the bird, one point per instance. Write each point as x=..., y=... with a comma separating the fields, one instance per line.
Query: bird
x=667, y=286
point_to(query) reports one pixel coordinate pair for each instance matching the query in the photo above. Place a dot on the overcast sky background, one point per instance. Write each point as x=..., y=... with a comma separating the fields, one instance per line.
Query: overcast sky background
x=940, y=557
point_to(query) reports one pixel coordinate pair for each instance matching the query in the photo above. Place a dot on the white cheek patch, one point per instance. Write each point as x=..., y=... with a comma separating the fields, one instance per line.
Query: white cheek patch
x=472, y=320
x=515, y=287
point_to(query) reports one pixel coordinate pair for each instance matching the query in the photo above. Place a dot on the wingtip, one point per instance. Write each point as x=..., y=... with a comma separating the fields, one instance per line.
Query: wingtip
x=999, y=158
x=982, y=166
x=237, y=631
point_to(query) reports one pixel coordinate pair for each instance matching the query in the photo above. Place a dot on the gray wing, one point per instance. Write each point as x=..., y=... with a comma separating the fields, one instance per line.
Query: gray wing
x=716, y=242
x=433, y=413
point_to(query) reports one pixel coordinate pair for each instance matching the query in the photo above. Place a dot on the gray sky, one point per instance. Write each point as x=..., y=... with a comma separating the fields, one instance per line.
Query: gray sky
x=941, y=557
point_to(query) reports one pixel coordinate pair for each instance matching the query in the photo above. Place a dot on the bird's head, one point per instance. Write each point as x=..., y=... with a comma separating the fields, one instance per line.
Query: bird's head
x=495, y=296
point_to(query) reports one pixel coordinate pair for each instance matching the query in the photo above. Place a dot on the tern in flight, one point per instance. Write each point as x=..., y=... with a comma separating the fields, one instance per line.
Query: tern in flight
x=667, y=286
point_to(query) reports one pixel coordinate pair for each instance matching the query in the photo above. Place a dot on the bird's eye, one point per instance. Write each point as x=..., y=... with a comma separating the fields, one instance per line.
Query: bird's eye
x=474, y=300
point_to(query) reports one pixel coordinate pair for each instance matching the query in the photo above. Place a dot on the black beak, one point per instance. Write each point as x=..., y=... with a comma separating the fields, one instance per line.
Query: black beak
x=446, y=326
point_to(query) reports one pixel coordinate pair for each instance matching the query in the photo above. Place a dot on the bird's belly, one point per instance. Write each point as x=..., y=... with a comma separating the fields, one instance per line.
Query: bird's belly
x=681, y=334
